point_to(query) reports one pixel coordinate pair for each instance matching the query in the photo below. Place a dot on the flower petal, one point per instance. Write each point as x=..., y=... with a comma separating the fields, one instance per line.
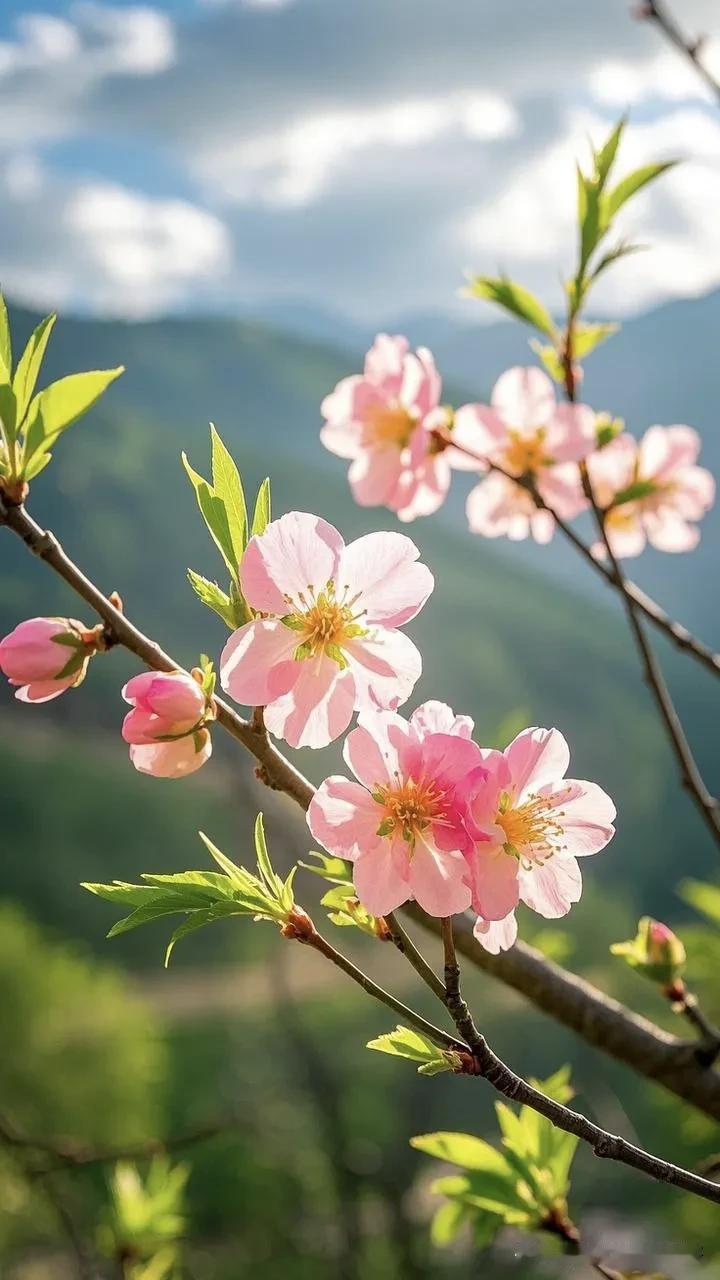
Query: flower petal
x=172, y=759
x=257, y=664
x=438, y=717
x=344, y=818
x=524, y=398
x=536, y=757
x=44, y=690
x=496, y=935
x=296, y=555
x=383, y=568
x=374, y=749
x=386, y=666
x=381, y=877
x=374, y=476
x=317, y=709
x=495, y=884
x=552, y=888
x=437, y=880
x=586, y=814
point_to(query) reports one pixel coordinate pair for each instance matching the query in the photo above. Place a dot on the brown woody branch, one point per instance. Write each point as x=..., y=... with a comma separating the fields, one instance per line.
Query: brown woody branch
x=283, y=776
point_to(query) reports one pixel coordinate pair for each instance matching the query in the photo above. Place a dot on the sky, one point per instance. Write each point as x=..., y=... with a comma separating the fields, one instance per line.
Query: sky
x=356, y=155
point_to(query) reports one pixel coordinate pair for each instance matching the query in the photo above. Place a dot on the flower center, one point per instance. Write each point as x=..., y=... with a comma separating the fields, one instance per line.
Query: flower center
x=526, y=452
x=389, y=424
x=325, y=624
x=409, y=807
x=531, y=829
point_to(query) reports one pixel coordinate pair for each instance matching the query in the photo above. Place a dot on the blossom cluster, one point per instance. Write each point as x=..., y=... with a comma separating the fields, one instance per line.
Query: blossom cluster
x=529, y=449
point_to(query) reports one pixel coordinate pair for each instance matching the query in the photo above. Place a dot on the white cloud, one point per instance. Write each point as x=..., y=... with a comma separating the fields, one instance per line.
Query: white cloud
x=296, y=164
x=104, y=246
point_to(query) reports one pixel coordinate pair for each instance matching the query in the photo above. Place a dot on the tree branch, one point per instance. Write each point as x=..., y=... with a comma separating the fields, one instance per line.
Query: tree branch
x=570, y=1000
x=657, y=12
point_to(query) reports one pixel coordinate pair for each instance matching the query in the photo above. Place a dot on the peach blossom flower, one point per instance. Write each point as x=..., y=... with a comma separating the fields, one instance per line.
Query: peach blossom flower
x=534, y=824
x=654, y=490
x=403, y=822
x=46, y=656
x=382, y=420
x=166, y=727
x=326, y=642
x=525, y=432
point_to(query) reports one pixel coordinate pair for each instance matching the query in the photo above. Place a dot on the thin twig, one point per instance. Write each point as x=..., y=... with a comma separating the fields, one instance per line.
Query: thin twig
x=657, y=12
x=406, y=947
x=708, y=1050
x=675, y=631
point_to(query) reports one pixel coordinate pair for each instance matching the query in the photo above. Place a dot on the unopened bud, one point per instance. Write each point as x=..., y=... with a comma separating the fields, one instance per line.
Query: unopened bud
x=657, y=952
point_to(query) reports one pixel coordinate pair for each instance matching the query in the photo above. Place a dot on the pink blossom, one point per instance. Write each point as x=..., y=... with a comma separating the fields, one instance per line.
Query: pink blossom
x=402, y=823
x=382, y=420
x=654, y=489
x=165, y=728
x=525, y=432
x=46, y=656
x=496, y=935
x=328, y=642
x=534, y=825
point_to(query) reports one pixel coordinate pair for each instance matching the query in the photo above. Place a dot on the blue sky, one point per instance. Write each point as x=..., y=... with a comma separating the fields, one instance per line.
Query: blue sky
x=355, y=154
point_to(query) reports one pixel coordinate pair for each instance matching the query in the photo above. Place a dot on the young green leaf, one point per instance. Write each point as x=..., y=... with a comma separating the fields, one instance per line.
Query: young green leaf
x=8, y=411
x=5, y=343
x=212, y=510
x=263, y=509
x=56, y=407
x=449, y=1220
x=586, y=337
x=630, y=185
x=605, y=155
x=404, y=1043
x=705, y=898
x=214, y=597
x=228, y=488
x=513, y=298
x=588, y=218
x=28, y=369
x=334, y=870
x=550, y=359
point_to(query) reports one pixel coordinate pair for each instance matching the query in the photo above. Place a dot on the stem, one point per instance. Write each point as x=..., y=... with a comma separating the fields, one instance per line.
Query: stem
x=709, y=1049
x=406, y=947
x=310, y=937
x=690, y=775
x=655, y=11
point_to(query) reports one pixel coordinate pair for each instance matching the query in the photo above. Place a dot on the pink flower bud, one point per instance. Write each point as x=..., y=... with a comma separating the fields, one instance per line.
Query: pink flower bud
x=44, y=657
x=664, y=948
x=165, y=728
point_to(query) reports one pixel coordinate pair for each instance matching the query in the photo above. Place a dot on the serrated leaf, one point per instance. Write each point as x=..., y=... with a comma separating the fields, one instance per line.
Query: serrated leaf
x=273, y=881
x=631, y=184
x=262, y=514
x=28, y=369
x=228, y=488
x=61, y=403
x=198, y=920
x=213, y=597
x=514, y=298
x=404, y=1043
x=129, y=895
x=166, y=906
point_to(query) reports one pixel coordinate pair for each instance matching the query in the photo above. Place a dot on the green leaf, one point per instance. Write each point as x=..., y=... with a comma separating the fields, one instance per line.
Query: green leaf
x=404, y=1043
x=215, y=516
x=228, y=488
x=450, y=1218
x=5, y=342
x=622, y=250
x=128, y=895
x=465, y=1150
x=550, y=358
x=263, y=509
x=605, y=156
x=8, y=411
x=167, y=906
x=37, y=463
x=705, y=898
x=198, y=920
x=513, y=298
x=586, y=337
x=588, y=218
x=334, y=870
x=630, y=185
x=63, y=402
x=214, y=597
x=273, y=881
x=28, y=369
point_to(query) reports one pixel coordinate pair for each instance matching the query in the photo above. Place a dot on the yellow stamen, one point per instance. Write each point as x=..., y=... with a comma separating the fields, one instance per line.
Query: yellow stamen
x=526, y=452
x=389, y=424
x=531, y=827
x=409, y=807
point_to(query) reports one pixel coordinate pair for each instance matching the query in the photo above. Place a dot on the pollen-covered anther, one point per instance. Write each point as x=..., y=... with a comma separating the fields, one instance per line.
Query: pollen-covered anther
x=410, y=807
x=526, y=453
x=532, y=825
